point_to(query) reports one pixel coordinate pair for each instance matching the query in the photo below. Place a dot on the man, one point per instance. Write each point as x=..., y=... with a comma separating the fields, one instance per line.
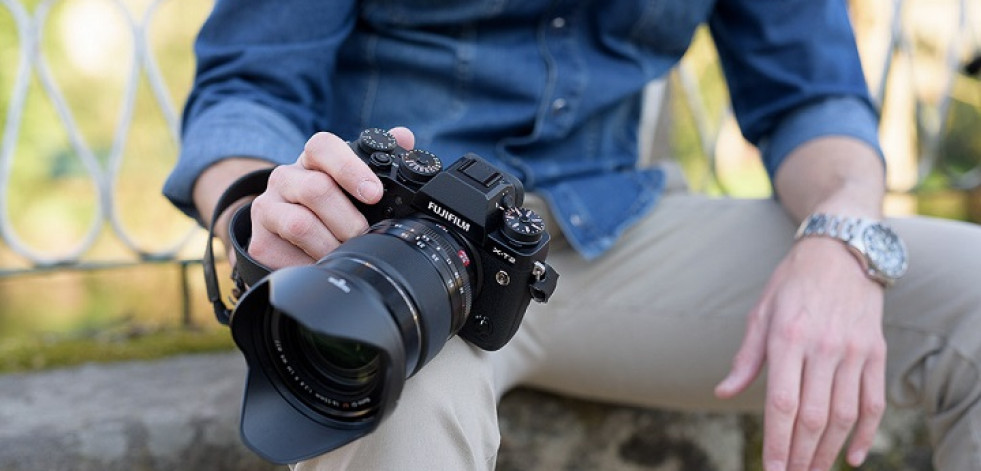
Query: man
x=666, y=299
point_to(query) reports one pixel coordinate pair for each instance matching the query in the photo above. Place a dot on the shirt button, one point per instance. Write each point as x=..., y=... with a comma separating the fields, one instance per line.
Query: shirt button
x=558, y=22
x=559, y=105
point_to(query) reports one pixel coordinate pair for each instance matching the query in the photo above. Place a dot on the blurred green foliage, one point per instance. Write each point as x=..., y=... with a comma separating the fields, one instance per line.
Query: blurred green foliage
x=961, y=143
x=35, y=353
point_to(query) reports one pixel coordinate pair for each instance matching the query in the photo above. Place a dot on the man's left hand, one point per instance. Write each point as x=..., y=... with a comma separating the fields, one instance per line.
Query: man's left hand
x=818, y=327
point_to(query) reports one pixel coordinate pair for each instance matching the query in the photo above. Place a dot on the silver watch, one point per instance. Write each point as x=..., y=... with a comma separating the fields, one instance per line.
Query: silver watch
x=881, y=252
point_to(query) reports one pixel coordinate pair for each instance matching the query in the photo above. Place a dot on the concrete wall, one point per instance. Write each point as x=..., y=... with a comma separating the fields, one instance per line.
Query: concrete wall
x=182, y=413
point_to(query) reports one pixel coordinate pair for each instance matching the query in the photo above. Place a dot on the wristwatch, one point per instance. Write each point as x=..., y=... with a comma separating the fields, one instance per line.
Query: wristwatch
x=881, y=252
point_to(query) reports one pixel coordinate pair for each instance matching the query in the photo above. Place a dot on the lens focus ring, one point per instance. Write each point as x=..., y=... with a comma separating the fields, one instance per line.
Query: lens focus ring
x=448, y=256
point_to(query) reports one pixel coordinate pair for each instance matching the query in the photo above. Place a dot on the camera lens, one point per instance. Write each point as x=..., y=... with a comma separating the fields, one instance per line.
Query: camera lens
x=351, y=359
x=337, y=339
x=352, y=366
x=335, y=377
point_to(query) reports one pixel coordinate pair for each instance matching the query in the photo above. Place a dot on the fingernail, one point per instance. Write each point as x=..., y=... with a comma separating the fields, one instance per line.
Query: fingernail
x=856, y=458
x=727, y=384
x=368, y=190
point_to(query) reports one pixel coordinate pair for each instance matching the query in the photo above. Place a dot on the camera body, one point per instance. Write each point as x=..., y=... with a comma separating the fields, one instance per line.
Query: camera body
x=330, y=345
x=481, y=206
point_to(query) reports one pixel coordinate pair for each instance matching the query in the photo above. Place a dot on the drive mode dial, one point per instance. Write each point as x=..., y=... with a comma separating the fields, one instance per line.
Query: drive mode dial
x=419, y=166
x=376, y=140
x=523, y=226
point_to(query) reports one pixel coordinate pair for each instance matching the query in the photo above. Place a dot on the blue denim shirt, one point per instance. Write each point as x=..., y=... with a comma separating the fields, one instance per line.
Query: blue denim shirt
x=549, y=90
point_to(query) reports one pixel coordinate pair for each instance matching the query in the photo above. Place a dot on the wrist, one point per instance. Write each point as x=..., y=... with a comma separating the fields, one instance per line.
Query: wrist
x=213, y=181
x=849, y=204
x=832, y=174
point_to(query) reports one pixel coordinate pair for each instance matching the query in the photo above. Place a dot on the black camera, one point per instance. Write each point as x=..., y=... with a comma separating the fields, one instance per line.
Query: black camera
x=329, y=346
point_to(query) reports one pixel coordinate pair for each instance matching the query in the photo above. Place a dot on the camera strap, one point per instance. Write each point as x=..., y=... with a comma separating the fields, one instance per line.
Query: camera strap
x=246, y=270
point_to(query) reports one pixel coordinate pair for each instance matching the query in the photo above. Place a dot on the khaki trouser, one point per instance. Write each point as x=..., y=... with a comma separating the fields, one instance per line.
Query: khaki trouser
x=656, y=321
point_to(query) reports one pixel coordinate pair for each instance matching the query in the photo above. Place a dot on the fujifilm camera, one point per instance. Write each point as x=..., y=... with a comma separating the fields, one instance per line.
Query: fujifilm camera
x=450, y=251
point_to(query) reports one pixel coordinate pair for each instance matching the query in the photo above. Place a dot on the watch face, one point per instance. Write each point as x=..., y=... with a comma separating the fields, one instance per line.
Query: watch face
x=885, y=251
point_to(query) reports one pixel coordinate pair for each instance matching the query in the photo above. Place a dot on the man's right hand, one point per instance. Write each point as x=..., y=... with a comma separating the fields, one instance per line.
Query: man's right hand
x=306, y=210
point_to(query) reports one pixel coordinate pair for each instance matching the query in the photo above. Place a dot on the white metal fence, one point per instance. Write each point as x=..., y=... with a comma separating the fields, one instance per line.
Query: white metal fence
x=32, y=76
x=27, y=72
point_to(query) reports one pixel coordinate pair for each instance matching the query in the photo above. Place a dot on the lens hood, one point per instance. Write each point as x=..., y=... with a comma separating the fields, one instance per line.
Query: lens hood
x=278, y=421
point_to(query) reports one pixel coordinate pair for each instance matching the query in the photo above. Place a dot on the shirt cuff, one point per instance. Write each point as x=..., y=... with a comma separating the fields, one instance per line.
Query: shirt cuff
x=835, y=116
x=233, y=128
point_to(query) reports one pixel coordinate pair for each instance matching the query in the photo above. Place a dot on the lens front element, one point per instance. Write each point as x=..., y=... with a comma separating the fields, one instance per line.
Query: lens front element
x=338, y=378
x=353, y=359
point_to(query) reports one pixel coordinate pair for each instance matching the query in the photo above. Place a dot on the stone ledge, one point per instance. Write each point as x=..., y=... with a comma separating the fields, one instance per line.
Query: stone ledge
x=546, y=432
x=182, y=413
x=178, y=413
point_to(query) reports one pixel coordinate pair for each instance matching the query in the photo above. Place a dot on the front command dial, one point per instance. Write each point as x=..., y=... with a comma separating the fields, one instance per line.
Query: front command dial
x=523, y=226
x=419, y=166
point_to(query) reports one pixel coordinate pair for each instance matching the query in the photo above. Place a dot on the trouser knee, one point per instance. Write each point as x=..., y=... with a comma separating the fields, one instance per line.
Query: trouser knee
x=446, y=418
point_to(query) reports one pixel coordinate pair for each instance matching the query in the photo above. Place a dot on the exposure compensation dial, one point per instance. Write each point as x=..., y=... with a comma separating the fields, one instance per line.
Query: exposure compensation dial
x=523, y=226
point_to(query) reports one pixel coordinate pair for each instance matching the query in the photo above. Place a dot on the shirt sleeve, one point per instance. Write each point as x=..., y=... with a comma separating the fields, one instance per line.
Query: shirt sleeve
x=838, y=115
x=261, y=86
x=793, y=72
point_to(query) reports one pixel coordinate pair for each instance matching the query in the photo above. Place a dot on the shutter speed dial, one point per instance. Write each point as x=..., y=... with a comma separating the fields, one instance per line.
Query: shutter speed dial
x=523, y=226
x=419, y=166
